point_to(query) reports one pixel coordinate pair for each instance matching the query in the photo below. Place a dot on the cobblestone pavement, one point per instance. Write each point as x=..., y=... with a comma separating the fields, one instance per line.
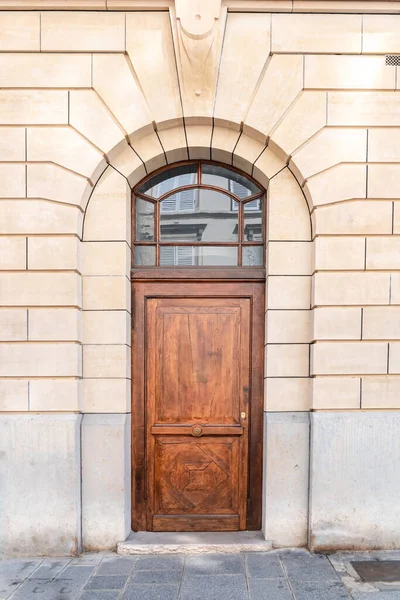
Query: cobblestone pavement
x=278, y=575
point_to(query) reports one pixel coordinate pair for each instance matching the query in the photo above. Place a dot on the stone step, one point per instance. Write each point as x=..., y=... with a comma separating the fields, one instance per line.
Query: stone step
x=148, y=542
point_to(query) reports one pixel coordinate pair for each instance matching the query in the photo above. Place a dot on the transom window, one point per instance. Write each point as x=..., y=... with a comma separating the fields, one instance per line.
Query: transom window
x=198, y=214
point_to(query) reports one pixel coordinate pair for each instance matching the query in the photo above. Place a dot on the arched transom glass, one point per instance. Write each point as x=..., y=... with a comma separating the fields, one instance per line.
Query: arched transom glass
x=198, y=214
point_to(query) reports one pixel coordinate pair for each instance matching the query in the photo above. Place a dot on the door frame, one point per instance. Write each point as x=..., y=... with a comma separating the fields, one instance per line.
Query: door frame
x=160, y=282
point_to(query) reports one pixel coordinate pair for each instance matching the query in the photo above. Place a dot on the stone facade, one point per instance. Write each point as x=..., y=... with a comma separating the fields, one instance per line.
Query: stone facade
x=91, y=102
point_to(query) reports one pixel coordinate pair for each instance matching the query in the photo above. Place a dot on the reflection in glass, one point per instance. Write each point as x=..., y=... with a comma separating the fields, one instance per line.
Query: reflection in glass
x=198, y=216
x=198, y=256
x=168, y=180
x=252, y=225
x=144, y=256
x=144, y=220
x=228, y=180
x=252, y=256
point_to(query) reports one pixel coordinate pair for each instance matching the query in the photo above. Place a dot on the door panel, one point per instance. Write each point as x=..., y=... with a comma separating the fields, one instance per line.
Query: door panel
x=197, y=394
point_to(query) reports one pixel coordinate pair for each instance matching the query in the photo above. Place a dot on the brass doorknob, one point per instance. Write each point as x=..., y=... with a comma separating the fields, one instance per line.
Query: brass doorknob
x=197, y=430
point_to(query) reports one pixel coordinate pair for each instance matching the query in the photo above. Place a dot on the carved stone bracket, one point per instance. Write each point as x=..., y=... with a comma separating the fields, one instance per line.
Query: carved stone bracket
x=197, y=17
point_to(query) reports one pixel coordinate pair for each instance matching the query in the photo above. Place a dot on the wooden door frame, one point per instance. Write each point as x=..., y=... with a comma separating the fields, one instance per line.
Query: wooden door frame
x=159, y=282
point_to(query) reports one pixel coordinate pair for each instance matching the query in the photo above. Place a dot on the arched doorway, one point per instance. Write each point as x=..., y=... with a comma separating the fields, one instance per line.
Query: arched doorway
x=198, y=349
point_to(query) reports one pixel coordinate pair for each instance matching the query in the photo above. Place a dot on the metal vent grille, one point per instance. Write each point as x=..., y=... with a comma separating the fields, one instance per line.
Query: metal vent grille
x=392, y=60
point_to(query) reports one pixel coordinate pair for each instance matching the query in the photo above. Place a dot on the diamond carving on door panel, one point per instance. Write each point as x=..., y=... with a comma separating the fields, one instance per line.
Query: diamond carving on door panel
x=196, y=477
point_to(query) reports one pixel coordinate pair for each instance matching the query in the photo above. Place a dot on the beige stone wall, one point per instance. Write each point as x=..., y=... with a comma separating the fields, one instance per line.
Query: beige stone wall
x=91, y=102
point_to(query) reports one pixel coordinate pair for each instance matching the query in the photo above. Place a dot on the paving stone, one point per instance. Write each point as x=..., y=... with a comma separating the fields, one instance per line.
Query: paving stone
x=64, y=587
x=116, y=566
x=384, y=595
x=106, y=582
x=302, y=566
x=168, y=562
x=270, y=589
x=214, y=564
x=157, y=577
x=319, y=590
x=262, y=565
x=151, y=592
x=214, y=587
x=13, y=572
x=101, y=595
x=49, y=569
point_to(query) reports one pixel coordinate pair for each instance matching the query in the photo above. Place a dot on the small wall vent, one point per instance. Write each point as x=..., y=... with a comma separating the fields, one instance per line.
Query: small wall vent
x=392, y=60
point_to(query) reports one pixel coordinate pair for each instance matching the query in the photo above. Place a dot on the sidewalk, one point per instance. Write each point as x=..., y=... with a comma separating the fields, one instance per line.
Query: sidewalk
x=277, y=575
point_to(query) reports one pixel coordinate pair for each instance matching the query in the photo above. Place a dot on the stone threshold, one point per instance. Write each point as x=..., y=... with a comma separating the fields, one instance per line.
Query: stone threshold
x=148, y=542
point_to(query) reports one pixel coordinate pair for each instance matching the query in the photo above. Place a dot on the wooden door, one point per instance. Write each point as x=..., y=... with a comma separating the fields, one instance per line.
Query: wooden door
x=198, y=355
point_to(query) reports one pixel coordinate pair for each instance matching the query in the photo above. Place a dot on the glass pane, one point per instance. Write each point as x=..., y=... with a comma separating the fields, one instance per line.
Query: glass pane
x=228, y=180
x=198, y=256
x=198, y=216
x=252, y=223
x=144, y=256
x=144, y=220
x=252, y=256
x=168, y=180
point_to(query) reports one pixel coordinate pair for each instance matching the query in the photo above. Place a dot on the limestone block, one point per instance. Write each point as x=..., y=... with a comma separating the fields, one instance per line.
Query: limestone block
x=289, y=292
x=63, y=146
x=149, y=150
x=288, y=216
x=336, y=393
x=287, y=360
x=289, y=258
x=245, y=51
x=54, y=324
x=45, y=70
x=106, y=293
x=125, y=160
x=396, y=217
x=286, y=478
x=356, y=217
x=13, y=395
x=281, y=83
x=113, y=80
x=339, y=253
x=316, y=33
x=288, y=327
x=13, y=325
x=33, y=107
x=51, y=182
x=223, y=143
x=106, y=361
x=106, y=395
x=90, y=116
x=50, y=395
x=12, y=142
x=173, y=142
x=39, y=216
x=395, y=288
x=40, y=360
x=384, y=144
x=394, y=357
x=199, y=141
x=383, y=181
x=381, y=323
x=335, y=289
x=106, y=327
x=13, y=183
x=267, y=165
x=363, y=108
x=342, y=182
x=12, y=253
x=80, y=31
x=383, y=253
x=54, y=253
x=150, y=49
x=287, y=394
x=337, y=323
x=304, y=118
x=368, y=487
x=348, y=72
x=348, y=358
x=106, y=258
x=106, y=479
x=40, y=289
x=19, y=31
x=330, y=146
x=41, y=481
x=246, y=153
x=381, y=34
x=380, y=392
x=108, y=212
